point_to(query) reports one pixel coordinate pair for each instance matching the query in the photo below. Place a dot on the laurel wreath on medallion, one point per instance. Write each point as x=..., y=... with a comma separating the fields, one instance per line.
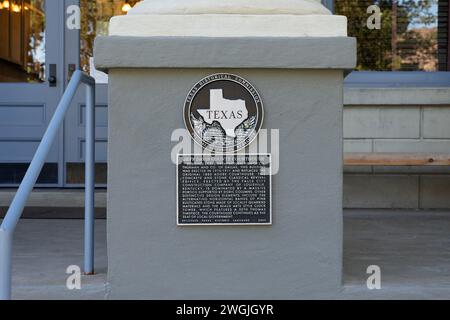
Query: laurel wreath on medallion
x=214, y=135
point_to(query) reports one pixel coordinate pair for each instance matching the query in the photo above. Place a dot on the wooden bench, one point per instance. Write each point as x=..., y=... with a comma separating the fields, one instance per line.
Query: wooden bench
x=396, y=159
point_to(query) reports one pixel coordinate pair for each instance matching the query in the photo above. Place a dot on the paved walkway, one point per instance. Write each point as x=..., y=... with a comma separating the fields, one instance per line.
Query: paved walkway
x=412, y=249
x=43, y=249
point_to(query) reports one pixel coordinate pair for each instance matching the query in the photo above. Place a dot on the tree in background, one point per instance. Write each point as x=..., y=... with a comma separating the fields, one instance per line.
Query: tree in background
x=407, y=39
x=418, y=44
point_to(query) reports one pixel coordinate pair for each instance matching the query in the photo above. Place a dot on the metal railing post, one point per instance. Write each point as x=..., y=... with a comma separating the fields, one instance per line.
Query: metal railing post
x=5, y=264
x=89, y=219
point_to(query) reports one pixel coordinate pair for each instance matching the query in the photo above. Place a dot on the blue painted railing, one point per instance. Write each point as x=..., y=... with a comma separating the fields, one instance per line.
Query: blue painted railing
x=15, y=210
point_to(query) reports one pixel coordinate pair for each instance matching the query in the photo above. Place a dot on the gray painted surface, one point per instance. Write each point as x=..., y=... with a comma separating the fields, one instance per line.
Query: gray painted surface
x=397, y=96
x=204, y=52
x=300, y=256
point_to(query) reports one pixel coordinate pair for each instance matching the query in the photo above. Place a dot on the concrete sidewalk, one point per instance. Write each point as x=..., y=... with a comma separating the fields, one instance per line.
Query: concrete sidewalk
x=412, y=249
x=43, y=249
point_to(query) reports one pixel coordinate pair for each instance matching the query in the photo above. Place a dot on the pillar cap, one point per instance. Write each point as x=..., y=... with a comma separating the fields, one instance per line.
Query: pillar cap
x=251, y=7
x=229, y=18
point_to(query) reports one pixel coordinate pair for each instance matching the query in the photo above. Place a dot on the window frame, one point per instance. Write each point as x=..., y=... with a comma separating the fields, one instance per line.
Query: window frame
x=404, y=79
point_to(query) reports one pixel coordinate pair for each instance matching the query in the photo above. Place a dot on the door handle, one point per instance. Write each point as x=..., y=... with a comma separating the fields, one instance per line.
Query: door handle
x=52, y=80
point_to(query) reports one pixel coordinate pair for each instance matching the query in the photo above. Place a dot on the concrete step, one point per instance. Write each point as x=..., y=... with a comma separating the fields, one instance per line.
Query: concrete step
x=55, y=203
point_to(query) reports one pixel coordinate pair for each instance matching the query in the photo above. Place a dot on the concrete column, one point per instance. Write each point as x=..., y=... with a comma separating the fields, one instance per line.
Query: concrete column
x=289, y=52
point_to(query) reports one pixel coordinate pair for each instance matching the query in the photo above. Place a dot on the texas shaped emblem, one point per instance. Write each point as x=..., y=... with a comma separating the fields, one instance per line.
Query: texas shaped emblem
x=228, y=113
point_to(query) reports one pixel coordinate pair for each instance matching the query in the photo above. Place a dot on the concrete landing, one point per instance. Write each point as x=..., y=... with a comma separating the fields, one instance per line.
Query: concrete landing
x=411, y=248
x=55, y=203
x=54, y=198
x=43, y=249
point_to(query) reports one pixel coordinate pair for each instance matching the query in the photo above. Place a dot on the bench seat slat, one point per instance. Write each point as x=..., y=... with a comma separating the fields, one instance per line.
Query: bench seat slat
x=396, y=159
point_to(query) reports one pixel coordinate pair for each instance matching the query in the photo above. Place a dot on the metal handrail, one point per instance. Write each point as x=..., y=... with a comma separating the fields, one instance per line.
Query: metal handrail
x=15, y=210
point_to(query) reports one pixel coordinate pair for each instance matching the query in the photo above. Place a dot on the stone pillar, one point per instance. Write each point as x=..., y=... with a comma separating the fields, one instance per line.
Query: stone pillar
x=294, y=52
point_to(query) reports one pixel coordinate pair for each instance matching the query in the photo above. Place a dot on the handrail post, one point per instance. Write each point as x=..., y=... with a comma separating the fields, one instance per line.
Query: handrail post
x=89, y=218
x=6, y=243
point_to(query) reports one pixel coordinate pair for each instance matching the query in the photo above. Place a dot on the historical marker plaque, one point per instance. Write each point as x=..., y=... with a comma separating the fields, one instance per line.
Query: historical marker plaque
x=224, y=190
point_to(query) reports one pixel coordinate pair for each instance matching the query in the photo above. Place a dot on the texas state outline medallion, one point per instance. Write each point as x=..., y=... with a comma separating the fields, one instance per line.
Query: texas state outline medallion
x=223, y=113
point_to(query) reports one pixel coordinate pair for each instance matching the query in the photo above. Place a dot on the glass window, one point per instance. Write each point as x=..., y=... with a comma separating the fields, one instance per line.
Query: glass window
x=22, y=41
x=95, y=16
x=412, y=34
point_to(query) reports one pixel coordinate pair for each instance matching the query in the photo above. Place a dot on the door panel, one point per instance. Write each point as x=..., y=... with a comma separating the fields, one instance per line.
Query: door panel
x=95, y=16
x=32, y=41
x=75, y=138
